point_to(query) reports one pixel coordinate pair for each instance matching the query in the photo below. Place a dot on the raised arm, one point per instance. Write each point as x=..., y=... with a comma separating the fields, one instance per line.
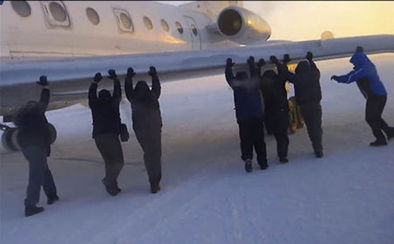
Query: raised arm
x=45, y=94
x=117, y=93
x=156, y=88
x=260, y=64
x=128, y=84
x=229, y=71
x=93, y=89
x=283, y=72
x=252, y=67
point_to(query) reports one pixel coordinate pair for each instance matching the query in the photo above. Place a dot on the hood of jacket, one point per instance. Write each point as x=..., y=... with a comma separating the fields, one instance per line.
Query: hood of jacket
x=359, y=59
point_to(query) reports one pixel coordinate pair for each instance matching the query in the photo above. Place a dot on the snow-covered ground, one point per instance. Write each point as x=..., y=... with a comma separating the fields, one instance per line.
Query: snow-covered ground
x=345, y=197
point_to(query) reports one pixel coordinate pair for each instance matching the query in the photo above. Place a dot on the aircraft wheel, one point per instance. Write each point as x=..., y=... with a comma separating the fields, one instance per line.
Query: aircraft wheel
x=52, y=132
x=9, y=139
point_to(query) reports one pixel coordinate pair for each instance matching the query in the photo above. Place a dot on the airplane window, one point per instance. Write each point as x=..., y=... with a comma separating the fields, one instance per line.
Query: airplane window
x=148, y=23
x=21, y=7
x=164, y=25
x=93, y=16
x=179, y=27
x=58, y=11
x=194, y=29
x=126, y=22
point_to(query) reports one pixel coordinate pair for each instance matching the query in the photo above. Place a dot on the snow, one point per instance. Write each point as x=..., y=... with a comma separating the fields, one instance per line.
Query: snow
x=345, y=197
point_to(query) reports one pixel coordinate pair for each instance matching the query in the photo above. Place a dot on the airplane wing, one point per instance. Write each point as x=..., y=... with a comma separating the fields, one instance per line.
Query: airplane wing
x=70, y=78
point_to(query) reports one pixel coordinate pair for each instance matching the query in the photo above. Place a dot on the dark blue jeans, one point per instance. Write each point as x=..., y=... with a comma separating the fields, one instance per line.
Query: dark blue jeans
x=39, y=175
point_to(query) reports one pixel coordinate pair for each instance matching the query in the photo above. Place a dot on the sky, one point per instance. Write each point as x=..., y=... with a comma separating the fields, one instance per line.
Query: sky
x=302, y=20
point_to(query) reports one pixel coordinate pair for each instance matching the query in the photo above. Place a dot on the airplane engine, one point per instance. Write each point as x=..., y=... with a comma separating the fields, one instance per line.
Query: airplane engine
x=9, y=136
x=242, y=26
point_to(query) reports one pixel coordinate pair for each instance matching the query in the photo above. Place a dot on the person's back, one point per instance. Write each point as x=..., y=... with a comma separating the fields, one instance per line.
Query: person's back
x=274, y=91
x=366, y=76
x=105, y=113
x=247, y=97
x=32, y=125
x=307, y=83
x=145, y=106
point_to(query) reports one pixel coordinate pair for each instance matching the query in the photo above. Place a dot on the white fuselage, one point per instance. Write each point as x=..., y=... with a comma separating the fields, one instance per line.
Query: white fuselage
x=113, y=28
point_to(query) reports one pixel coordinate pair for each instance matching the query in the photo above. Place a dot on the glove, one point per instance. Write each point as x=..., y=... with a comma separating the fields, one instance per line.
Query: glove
x=112, y=74
x=97, y=78
x=286, y=59
x=261, y=62
x=130, y=72
x=229, y=62
x=334, y=77
x=274, y=60
x=43, y=81
x=152, y=71
x=359, y=49
x=309, y=56
x=250, y=60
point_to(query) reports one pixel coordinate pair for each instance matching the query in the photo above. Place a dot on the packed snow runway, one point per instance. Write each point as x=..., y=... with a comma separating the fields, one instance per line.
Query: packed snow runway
x=345, y=197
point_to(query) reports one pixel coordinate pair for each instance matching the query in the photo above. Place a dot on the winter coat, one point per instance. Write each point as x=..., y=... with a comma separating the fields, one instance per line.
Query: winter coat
x=32, y=124
x=247, y=97
x=306, y=81
x=105, y=109
x=274, y=93
x=145, y=105
x=366, y=76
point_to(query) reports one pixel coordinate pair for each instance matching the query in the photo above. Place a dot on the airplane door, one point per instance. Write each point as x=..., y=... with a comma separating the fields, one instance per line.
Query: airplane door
x=194, y=32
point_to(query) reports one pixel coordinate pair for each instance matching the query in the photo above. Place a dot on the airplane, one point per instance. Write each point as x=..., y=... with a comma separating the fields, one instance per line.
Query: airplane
x=69, y=41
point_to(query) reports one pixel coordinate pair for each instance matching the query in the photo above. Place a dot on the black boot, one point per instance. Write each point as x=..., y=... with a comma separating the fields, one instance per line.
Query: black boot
x=32, y=210
x=52, y=199
x=378, y=142
x=263, y=165
x=248, y=165
x=154, y=188
x=112, y=190
x=283, y=159
x=319, y=154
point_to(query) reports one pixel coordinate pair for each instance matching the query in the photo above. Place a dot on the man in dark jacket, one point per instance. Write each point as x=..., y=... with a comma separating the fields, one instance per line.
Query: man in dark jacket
x=308, y=95
x=249, y=113
x=276, y=108
x=372, y=88
x=147, y=122
x=106, y=128
x=34, y=140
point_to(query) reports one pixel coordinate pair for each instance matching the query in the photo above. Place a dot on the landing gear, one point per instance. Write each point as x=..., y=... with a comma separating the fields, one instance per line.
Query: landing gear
x=295, y=118
x=9, y=138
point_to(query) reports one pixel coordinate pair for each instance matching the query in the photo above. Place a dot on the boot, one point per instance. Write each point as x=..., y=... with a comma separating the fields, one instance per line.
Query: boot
x=248, y=165
x=378, y=142
x=263, y=165
x=283, y=159
x=113, y=191
x=154, y=188
x=52, y=199
x=32, y=210
x=319, y=154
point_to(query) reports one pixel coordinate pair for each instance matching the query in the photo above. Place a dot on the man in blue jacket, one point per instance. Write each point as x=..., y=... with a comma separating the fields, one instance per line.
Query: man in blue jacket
x=372, y=88
x=249, y=113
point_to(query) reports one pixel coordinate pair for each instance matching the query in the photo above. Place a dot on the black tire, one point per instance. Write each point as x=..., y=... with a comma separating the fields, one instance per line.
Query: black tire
x=52, y=132
x=9, y=140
